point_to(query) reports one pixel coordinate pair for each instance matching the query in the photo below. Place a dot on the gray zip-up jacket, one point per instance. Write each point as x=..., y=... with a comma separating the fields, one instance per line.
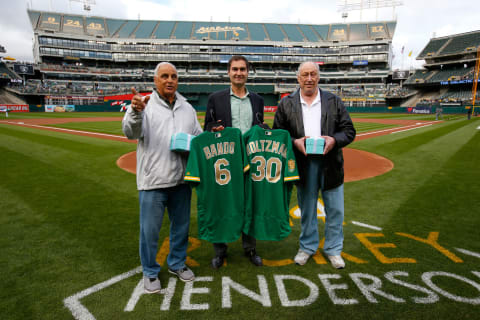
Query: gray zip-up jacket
x=157, y=166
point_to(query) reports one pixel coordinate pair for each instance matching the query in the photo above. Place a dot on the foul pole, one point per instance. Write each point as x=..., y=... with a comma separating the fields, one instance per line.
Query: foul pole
x=475, y=80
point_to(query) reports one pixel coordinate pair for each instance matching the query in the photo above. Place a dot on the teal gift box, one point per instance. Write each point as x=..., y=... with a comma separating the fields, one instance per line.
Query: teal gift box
x=315, y=145
x=181, y=141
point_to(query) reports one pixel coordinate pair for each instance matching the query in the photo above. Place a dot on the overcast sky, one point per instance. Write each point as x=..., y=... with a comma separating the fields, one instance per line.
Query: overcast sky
x=417, y=20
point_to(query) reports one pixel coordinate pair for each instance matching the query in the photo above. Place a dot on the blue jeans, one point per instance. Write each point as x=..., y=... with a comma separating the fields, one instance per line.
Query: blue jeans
x=152, y=207
x=307, y=196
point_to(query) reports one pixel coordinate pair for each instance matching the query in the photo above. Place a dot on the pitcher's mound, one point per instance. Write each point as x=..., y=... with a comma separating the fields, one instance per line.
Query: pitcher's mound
x=358, y=164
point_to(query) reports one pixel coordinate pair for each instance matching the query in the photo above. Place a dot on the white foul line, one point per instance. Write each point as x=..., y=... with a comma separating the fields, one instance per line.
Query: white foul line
x=469, y=253
x=415, y=126
x=411, y=129
x=366, y=225
x=78, y=311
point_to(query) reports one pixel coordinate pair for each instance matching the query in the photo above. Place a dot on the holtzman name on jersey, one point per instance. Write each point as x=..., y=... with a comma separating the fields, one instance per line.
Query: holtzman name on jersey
x=266, y=146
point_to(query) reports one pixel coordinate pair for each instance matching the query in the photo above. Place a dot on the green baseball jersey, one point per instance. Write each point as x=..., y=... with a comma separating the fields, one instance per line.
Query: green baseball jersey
x=216, y=167
x=268, y=187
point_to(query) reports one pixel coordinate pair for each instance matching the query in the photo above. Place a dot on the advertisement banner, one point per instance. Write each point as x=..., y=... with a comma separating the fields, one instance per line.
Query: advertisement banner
x=421, y=110
x=23, y=69
x=270, y=109
x=360, y=62
x=59, y=108
x=14, y=107
x=400, y=74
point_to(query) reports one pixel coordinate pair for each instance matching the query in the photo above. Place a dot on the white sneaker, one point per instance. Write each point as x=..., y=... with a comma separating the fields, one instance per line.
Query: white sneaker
x=337, y=262
x=184, y=274
x=151, y=285
x=301, y=258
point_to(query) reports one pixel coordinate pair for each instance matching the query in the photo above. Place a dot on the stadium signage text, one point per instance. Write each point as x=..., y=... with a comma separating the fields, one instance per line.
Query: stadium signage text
x=14, y=107
x=217, y=29
x=420, y=110
x=446, y=83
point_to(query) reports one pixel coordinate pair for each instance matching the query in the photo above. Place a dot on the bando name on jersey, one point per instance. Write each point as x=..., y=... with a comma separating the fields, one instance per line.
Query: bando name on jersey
x=219, y=149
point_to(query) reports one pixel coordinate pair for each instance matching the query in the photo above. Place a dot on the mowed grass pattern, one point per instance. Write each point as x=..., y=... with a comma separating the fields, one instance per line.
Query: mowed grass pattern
x=69, y=221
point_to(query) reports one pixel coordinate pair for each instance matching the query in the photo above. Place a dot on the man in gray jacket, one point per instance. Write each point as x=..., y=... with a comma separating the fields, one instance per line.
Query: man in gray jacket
x=153, y=120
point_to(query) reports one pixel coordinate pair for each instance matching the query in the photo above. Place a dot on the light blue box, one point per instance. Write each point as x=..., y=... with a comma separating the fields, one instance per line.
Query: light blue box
x=314, y=145
x=181, y=141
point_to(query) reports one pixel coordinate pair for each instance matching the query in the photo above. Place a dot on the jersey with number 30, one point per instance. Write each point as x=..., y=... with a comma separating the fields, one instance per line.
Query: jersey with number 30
x=216, y=167
x=268, y=187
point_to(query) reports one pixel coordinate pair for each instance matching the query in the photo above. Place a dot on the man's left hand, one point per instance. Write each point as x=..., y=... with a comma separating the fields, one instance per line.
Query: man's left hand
x=329, y=144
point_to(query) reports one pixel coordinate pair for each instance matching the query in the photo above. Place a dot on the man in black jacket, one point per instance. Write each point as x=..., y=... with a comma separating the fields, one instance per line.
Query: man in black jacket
x=235, y=107
x=310, y=112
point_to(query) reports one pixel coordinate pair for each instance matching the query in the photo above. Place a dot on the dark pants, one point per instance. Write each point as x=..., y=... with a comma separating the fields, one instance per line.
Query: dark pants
x=248, y=242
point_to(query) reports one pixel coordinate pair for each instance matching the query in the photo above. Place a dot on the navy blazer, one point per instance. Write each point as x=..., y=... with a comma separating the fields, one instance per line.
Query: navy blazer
x=219, y=108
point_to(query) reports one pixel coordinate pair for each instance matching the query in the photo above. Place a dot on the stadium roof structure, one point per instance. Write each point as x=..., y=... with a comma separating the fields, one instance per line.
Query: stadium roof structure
x=462, y=43
x=154, y=31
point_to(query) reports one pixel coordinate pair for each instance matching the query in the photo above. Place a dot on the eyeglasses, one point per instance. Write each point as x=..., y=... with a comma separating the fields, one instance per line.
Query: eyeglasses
x=312, y=75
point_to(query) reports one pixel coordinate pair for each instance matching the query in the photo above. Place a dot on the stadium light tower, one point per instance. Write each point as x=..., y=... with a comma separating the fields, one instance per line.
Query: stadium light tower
x=345, y=6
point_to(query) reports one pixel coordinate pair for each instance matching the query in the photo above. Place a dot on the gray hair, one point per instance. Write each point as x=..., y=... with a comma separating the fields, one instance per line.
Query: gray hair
x=163, y=64
x=307, y=62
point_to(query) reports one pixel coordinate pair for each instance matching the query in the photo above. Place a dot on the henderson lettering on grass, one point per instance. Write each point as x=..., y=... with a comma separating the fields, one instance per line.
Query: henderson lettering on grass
x=335, y=286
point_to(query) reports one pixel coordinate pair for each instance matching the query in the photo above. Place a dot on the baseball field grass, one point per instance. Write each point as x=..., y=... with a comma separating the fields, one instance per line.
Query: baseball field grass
x=69, y=236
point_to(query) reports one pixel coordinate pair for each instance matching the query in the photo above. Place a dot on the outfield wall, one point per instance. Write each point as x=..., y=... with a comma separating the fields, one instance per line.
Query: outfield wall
x=110, y=106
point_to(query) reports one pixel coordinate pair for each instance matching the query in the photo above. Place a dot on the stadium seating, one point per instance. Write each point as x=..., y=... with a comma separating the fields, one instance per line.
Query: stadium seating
x=257, y=32
x=292, y=32
x=127, y=29
x=322, y=31
x=114, y=25
x=145, y=29
x=461, y=43
x=164, y=29
x=432, y=47
x=450, y=74
x=183, y=30
x=419, y=76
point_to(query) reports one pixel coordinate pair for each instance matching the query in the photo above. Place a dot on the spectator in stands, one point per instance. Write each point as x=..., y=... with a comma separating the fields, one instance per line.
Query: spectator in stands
x=311, y=112
x=153, y=120
x=239, y=108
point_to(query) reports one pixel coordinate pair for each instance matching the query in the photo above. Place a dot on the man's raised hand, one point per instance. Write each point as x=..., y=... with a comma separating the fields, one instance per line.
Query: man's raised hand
x=139, y=102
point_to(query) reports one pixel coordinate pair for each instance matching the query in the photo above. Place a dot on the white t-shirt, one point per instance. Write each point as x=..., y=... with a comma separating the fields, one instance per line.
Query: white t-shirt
x=312, y=116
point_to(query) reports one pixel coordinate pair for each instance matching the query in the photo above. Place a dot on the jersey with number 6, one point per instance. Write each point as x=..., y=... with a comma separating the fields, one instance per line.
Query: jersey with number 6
x=268, y=187
x=216, y=167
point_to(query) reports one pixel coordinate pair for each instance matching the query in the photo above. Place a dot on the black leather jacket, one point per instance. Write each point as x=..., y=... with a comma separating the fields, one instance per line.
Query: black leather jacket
x=336, y=123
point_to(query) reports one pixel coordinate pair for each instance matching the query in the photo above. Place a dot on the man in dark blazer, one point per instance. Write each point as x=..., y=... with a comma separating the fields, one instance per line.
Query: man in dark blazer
x=219, y=107
x=239, y=108
x=312, y=112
